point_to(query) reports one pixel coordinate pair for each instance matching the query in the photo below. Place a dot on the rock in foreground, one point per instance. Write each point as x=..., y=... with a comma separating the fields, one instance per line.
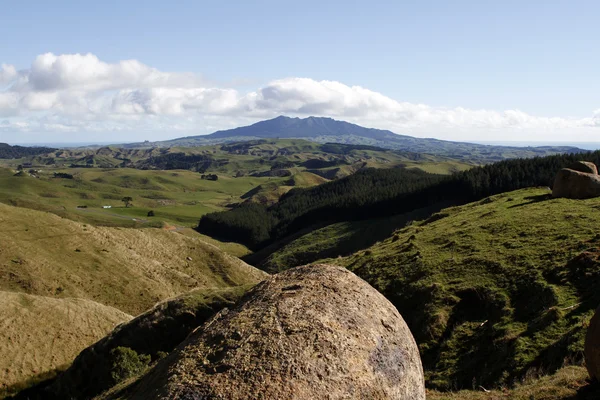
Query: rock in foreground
x=310, y=332
x=580, y=181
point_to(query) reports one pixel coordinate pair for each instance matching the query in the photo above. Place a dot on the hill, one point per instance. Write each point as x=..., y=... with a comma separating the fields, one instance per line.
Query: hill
x=78, y=183
x=327, y=130
x=377, y=193
x=8, y=151
x=154, y=333
x=494, y=291
x=65, y=284
x=128, y=269
x=40, y=335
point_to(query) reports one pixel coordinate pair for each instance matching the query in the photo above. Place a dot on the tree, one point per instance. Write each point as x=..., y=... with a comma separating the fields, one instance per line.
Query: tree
x=127, y=200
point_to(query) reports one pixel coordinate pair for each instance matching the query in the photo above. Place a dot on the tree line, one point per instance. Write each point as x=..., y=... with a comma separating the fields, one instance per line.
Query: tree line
x=7, y=151
x=372, y=193
x=193, y=162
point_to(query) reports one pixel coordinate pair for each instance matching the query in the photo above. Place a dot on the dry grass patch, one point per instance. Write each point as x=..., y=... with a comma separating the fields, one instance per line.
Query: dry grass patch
x=129, y=269
x=569, y=383
x=41, y=334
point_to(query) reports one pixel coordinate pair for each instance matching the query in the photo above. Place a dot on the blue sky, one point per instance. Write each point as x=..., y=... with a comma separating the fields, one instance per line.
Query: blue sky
x=466, y=70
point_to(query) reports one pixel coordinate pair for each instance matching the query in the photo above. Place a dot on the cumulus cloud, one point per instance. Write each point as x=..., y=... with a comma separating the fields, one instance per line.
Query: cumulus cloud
x=80, y=93
x=50, y=72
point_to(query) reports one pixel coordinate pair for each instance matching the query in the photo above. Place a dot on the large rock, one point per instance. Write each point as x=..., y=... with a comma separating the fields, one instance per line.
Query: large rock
x=311, y=332
x=584, y=166
x=592, y=347
x=574, y=184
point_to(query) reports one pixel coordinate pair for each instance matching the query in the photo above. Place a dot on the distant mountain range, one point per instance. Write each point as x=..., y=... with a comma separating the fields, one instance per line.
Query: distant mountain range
x=328, y=130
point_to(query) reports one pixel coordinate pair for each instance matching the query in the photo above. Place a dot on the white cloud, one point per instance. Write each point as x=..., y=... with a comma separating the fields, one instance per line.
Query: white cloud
x=86, y=72
x=8, y=73
x=80, y=93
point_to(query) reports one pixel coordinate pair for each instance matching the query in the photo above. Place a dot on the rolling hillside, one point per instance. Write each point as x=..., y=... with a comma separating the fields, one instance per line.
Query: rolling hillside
x=129, y=269
x=493, y=291
x=64, y=284
x=154, y=333
x=78, y=183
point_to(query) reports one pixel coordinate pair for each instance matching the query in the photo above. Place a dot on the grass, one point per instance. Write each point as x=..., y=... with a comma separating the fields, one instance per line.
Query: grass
x=65, y=284
x=176, y=197
x=129, y=269
x=180, y=197
x=569, y=383
x=335, y=240
x=39, y=335
x=487, y=288
x=154, y=333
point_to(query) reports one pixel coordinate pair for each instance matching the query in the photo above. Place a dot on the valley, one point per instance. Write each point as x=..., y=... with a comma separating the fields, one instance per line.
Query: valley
x=79, y=183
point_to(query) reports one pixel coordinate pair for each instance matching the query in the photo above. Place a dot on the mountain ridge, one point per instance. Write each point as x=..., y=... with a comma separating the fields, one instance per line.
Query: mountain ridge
x=329, y=130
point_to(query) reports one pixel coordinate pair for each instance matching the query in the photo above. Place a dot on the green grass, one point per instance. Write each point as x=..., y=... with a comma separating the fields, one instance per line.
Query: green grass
x=485, y=287
x=335, y=240
x=176, y=197
x=180, y=197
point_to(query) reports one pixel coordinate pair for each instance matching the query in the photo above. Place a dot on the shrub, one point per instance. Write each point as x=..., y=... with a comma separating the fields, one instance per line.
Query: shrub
x=126, y=363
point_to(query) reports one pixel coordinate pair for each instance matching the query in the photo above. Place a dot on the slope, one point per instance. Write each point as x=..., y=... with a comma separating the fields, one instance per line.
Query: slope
x=494, y=290
x=154, y=333
x=40, y=334
x=129, y=269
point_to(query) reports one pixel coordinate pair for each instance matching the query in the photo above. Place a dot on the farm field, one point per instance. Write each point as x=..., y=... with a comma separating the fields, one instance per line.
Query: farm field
x=177, y=197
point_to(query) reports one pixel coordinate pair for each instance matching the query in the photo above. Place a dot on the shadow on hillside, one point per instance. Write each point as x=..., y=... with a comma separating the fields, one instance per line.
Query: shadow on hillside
x=534, y=199
x=587, y=392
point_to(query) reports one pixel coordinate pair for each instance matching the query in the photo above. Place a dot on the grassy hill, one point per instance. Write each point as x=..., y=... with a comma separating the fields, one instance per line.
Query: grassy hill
x=129, y=269
x=239, y=158
x=568, y=383
x=39, y=335
x=65, y=284
x=335, y=240
x=78, y=183
x=494, y=291
x=177, y=197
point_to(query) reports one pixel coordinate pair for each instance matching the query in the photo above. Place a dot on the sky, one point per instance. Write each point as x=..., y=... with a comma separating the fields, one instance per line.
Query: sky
x=115, y=71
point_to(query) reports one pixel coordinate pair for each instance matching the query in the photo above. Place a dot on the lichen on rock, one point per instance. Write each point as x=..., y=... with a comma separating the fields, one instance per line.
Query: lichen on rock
x=315, y=331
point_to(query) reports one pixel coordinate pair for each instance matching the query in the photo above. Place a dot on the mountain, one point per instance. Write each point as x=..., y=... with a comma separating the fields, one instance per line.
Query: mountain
x=328, y=130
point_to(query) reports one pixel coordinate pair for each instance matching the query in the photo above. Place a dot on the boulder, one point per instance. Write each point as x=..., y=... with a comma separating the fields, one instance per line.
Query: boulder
x=310, y=332
x=592, y=347
x=584, y=166
x=574, y=184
